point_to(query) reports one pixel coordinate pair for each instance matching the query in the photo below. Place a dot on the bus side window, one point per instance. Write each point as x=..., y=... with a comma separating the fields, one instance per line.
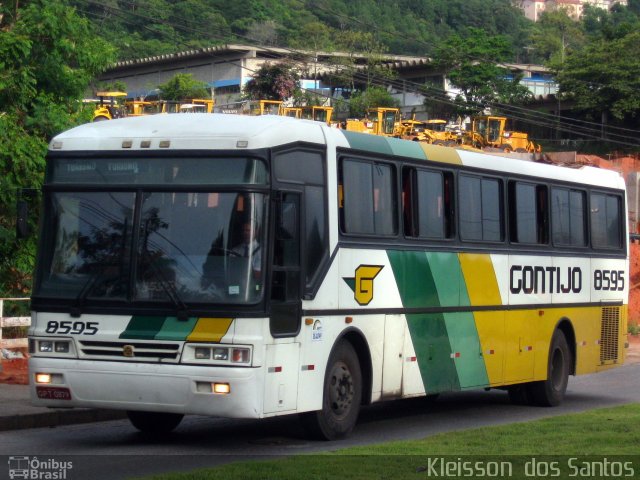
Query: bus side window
x=427, y=208
x=606, y=221
x=369, y=196
x=304, y=169
x=528, y=213
x=481, y=217
x=568, y=217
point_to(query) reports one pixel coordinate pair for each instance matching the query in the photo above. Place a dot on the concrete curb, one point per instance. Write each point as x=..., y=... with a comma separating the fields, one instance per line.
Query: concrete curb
x=59, y=417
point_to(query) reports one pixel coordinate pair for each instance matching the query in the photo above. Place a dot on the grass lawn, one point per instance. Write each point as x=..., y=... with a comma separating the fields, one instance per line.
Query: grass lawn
x=606, y=443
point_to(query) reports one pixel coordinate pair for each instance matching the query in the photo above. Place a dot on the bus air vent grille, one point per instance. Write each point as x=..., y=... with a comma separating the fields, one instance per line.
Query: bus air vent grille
x=609, y=334
x=129, y=350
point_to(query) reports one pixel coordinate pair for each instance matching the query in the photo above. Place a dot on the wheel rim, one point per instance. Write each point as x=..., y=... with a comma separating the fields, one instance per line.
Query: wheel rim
x=341, y=390
x=557, y=370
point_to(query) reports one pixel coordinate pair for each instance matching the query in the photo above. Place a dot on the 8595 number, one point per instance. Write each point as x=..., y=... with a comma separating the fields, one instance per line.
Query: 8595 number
x=608, y=280
x=73, y=328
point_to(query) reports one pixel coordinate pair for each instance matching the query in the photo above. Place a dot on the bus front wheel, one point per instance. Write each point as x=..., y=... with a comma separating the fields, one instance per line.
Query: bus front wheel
x=154, y=422
x=342, y=394
x=550, y=392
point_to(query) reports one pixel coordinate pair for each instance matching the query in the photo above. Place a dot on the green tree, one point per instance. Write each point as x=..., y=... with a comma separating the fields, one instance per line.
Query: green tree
x=363, y=65
x=601, y=24
x=472, y=64
x=273, y=81
x=372, y=97
x=603, y=79
x=48, y=57
x=555, y=36
x=183, y=86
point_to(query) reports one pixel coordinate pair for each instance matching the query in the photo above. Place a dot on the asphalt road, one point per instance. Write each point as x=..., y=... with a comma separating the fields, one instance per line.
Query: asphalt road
x=114, y=450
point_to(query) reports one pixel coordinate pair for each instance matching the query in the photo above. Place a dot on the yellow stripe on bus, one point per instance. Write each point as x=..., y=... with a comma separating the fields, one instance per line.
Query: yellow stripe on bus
x=482, y=289
x=210, y=329
x=438, y=153
x=480, y=278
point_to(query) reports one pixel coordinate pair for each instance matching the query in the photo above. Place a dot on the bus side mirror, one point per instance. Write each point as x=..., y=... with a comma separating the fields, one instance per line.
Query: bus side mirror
x=22, y=219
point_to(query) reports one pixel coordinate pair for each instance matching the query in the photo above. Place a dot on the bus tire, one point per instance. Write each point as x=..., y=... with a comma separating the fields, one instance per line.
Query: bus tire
x=341, y=398
x=154, y=422
x=550, y=392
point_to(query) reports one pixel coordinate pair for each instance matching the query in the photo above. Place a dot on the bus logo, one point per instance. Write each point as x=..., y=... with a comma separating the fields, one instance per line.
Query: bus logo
x=18, y=467
x=127, y=351
x=362, y=283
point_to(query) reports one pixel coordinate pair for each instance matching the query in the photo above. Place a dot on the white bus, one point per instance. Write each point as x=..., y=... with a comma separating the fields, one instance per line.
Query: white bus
x=250, y=267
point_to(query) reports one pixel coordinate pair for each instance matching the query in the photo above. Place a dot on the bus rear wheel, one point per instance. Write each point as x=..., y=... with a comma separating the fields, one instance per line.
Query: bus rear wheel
x=154, y=422
x=550, y=392
x=342, y=394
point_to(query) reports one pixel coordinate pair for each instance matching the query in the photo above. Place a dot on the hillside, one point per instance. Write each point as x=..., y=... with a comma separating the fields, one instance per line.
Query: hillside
x=139, y=28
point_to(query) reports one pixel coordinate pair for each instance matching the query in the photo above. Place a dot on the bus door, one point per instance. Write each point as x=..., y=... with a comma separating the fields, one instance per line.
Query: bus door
x=283, y=356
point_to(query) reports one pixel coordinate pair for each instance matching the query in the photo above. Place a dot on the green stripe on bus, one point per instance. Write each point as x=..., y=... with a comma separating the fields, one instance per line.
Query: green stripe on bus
x=463, y=336
x=368, y=142
x=447, y=278
x=428, y=332
x=405, y=148
x=174, y=329
x=433, y=351
x=414, y=279
x=143, y=328
x=461, y=327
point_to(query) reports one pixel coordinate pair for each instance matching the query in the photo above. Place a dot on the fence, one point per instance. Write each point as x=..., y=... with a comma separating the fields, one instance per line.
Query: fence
x=13, y=322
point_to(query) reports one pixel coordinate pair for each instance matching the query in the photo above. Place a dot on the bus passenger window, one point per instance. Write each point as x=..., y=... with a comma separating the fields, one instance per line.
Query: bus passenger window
x=369, y=197
x=568, y=213
x=481, y=217
x=426, y=203
x=606, y=227
x=528, y=213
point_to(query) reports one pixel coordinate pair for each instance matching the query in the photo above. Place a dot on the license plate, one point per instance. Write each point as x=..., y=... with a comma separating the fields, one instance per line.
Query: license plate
x=53, y=393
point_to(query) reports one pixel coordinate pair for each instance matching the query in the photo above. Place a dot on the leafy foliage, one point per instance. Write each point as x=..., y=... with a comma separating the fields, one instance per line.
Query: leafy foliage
x=604, y=78
x=471, y=63
x=276, y=81
x=48, y=57
x=555, y=36
x=183, y=86
x=141, y=28
x=369, y=98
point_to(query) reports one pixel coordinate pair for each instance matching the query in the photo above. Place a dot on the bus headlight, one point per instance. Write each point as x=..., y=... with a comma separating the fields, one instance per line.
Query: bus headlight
x=221, y=354
x=62, y=347
x=202, y=353
x=59, y=347
x=216, y=354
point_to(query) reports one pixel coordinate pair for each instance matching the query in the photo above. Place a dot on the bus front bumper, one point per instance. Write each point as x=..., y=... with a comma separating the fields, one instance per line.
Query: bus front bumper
x=184, y=389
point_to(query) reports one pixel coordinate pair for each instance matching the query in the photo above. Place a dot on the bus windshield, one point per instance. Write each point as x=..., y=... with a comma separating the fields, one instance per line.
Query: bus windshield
x=190, y=245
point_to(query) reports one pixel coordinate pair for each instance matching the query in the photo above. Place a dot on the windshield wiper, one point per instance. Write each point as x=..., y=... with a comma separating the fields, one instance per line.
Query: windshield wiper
x=182, y=311
x=87, y=288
